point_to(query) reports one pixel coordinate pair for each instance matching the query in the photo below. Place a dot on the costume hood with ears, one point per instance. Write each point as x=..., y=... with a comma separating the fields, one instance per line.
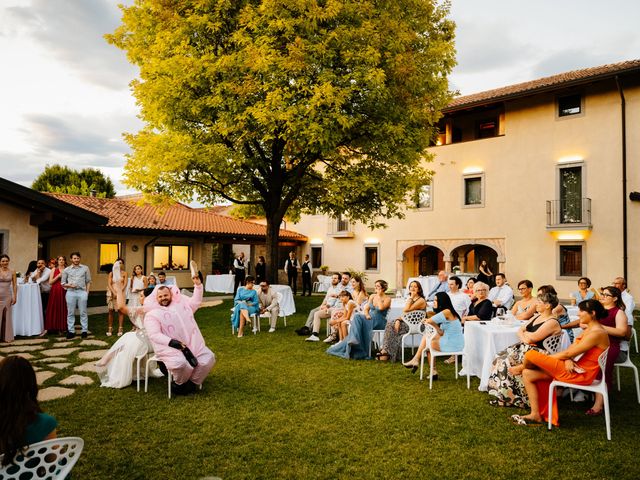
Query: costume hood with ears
x=151, y=302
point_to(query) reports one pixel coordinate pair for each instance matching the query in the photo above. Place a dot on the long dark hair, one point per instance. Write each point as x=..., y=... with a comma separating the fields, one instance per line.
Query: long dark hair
x=594, y=307
x=33, y=265
x=615, y=291
x=420, y=291
x=18, y=404
x=444, y=303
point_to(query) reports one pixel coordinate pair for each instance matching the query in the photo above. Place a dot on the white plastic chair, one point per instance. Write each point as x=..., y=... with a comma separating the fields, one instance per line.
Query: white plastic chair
x=413, y=320
x=634, y=337
x=431, y=332
x=268, y=315
x=253, y=319
x=376, y=337
x=138, y=360
x=47, y=460
x=169, y=376
x=598, y=386
x=628, y=364
x=552, y=344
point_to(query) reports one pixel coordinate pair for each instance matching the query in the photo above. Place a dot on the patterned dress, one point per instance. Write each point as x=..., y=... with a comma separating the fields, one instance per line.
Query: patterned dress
x=393, y=341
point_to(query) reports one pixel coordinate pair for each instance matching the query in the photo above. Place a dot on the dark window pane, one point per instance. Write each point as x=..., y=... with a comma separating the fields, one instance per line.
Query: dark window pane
x=487, y=128
x=472, y=191
x=569, y=105
x=371, y=258
x=316, y=257
x=570, y=260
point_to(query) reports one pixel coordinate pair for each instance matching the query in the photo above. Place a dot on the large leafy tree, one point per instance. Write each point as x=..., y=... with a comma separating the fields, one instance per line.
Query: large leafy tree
x=88, y=181
x=322, y=106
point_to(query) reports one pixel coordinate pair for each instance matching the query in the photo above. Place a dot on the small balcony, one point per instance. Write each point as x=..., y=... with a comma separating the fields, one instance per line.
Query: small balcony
x=569, y=214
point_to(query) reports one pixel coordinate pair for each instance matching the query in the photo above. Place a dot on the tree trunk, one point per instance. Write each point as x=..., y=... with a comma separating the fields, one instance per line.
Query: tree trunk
x=273, y=232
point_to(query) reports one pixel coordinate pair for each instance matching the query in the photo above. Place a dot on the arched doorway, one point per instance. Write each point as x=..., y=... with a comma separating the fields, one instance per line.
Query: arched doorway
x=468, y=258
x=421, y=260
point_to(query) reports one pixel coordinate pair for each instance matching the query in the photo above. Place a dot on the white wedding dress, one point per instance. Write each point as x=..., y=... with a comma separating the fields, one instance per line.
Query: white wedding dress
x=116, y=368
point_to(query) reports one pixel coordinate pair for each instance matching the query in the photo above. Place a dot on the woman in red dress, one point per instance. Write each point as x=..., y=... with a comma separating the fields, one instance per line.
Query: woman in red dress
x=541, y=369
x=56, y=319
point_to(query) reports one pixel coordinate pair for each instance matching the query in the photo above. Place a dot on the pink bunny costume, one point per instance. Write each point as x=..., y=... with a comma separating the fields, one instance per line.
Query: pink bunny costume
x=176, y=321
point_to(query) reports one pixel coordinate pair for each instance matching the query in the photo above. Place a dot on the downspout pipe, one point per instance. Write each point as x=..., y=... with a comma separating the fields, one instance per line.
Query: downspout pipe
x=623, y=112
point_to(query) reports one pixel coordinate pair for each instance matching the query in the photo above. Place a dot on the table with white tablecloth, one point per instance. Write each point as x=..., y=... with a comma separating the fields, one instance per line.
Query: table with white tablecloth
x=430, y=281
x=220, y=283
x=323, y=283
x=27, y=312
x=482, y=341
x=287, y=304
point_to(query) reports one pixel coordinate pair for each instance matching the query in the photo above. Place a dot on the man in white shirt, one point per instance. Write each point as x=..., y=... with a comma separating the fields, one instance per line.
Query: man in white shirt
x=323, y=311
x=629, y=306
x=501, y=295
x=41, y=277
x=460, y=300
x=240, y=271
x=442, y=285
x=345, y=282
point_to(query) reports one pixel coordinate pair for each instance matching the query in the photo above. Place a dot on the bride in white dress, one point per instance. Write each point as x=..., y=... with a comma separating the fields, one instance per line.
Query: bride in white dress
x=116, y=368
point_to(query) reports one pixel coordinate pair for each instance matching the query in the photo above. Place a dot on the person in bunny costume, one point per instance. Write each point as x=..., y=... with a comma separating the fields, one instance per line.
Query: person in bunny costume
x=175, y=336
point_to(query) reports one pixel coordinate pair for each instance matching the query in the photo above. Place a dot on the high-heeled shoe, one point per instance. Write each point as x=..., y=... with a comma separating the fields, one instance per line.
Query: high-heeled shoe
x=120, y=332
x=411, y=366
x=109, y=332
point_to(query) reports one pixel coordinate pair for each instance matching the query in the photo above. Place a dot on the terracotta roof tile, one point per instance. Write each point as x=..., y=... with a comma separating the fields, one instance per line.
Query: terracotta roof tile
x=126, y=213
x=541, y=84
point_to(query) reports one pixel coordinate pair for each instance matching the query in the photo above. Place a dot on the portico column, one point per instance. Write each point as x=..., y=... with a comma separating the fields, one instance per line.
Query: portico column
x=447, y=266
x=461, y=264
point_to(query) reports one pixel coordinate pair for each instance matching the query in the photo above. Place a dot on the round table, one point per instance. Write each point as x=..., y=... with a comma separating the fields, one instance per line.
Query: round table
x=220, y=283
x=27, y=312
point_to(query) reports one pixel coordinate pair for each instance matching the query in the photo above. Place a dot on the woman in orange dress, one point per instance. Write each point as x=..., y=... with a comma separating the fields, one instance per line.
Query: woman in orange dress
x=541, y=369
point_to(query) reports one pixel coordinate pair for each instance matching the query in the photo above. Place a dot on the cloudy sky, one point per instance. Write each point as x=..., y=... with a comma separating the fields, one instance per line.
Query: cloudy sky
x=64, y=95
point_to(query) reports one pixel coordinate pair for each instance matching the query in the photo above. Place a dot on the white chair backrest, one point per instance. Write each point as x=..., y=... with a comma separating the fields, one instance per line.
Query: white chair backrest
x=602, y=361
x=552, y=344
x=414, y=320
x=430, y=331
x=47, y=460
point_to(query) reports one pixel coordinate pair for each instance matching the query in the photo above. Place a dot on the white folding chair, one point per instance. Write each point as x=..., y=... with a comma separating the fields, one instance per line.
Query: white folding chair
x=253, y=318
x=138, y=360
x=598, y=386
x=268, y=315
x=628, y=364
x=47, y=460
x=430, y=332
x=413, y=320
x=634, y=337
x=169, y=376
x=376, y=337
x=552, y=344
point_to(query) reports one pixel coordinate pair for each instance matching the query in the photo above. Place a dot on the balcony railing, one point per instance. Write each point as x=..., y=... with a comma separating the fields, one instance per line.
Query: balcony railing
x=569, y=213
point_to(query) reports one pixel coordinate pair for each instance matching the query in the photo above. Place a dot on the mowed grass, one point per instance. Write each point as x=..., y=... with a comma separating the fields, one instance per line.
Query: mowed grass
x=277, y=407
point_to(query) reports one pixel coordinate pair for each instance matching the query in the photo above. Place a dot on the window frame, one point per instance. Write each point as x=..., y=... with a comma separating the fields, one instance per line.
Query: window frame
x=559, y=116
x=583, y=260
x=470, y=176
x=375, y=246
x=583, y=185
x=121, y=249
x=170, y=259
x=318, y=247
x=430, y=206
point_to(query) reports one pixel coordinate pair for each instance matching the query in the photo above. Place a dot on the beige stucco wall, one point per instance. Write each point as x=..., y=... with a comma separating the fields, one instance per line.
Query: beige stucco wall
x=21, y=238
x=520, y=173
x=88, y=246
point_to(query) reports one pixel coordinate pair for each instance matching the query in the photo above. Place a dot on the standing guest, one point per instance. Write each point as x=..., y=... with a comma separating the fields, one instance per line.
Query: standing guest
x=76, y=279
x=176, y=338
x=359, y=293
x=239, y=270
x=23, y=422
x=52, y=263
x=441, y=286
x=577, y=364
x=307, y=272
x=373, y=317
x=33, y=265
x=525, y=308
x=396, y=327
x=112, y=290
x=137, y=284
x=323, y=311
x=56, y=319
x=261, y=270
x=469, y=290
x=268, y=300
x=8, y=298
x=615, y=324
x=245, y=304
x=485, y=275
x=460, y=300
x=481, y=309
x=152, y=280
x=291, y=267
x=41, y=277
x=501, y=295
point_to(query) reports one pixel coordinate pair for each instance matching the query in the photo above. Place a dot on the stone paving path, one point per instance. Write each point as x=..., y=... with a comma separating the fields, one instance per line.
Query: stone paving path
x=62, y=364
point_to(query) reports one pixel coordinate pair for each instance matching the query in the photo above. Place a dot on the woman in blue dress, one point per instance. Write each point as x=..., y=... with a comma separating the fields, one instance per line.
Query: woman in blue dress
x=245, y=304
x=449, y=337
x=374, y=317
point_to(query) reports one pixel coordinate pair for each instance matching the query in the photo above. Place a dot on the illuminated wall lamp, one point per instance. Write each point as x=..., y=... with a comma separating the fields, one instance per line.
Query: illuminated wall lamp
x=316, y=241
x=571, y=159
x=470, y=170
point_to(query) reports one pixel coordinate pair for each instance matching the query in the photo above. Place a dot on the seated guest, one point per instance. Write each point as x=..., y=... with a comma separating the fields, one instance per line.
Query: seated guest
x=505, y=380
x=501, y=295
x=630, y=306
x=373, y=317
x=245, y=304
x=268, y=300
x=341, y=317
x=481, y=309
x=323, y=311
x=448, y=338
x=162, y=279
x=459, y=299
x=396, y=327
x=23, y=422
x=560, y=312
x=469, y=290
x=524, y=308
x=345, y=282
x=441, y=286
x=153, y=281
x=584, y=292
x=615, y=324
x=359, y=293
x=541, y=369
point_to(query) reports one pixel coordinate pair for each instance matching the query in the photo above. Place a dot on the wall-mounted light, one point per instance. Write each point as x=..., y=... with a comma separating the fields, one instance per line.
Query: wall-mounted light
x=371, y=241
x=470, y=170
x=572, y=235
x=570, y=159
x=316, y=241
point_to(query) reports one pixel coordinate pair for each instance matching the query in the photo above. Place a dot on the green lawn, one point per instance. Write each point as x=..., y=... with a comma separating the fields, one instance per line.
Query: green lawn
x=277, y=407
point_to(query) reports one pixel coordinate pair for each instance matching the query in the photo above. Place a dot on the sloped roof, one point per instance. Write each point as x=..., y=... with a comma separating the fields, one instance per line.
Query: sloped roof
x=127, y=214
x=566, y=79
